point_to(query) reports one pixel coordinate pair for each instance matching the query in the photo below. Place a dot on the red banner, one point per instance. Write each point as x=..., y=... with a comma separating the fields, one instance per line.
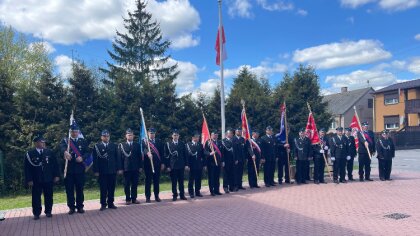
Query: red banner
x=355, y=127
x=245, y=126
x=205, y=133
x=311, y=130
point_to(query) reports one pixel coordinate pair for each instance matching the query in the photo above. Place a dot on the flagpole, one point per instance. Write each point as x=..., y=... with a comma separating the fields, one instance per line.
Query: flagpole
x=68, y=147
x=222, y=83
x=249, y=135
x=147, y=139
x=287, y=141
x=322, y=146
x=358, y=121
x=211, y=141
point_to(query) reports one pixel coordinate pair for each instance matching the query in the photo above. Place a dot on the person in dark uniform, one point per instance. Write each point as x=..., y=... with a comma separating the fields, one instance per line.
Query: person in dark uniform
x=352, y=154
x=302, y=150
x=196, y=161
x=256, y=144
x=366, y=138
x=41, y=172
x=176, y=164
x=240, y=155
x=106, y=165
x=212, y=151
x=156, y=150
x=283, y=162
x=339, y=155
x=319, y=150
x=131, y=157
x=75, y=153
x=230, y=157
x=386, y=151
x=269, y=152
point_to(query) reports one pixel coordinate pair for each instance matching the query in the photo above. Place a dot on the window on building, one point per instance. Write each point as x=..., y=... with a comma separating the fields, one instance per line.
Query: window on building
x=391, y=98
x=333, y=125
x=370, y=103
x=392, y=122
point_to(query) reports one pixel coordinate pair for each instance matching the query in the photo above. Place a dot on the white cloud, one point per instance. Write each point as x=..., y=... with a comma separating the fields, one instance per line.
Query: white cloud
x=417, y=37
x=64, y=65
x=241, y=8
x=302, y=12
x=48, y=47
x=414, y=66
x=185, y=81
x=276, y=6
x=60, y=22
x=265, y=69
x=360, y=78
x=185, y=41
x=355, y=3
x=335, y=55
x=389, y=5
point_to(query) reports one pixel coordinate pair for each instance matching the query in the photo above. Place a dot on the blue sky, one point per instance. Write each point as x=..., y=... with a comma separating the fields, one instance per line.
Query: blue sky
x=348, y=41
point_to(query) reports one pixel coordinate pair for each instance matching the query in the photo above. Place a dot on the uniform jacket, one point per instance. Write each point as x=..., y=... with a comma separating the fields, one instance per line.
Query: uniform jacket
x=40, y=168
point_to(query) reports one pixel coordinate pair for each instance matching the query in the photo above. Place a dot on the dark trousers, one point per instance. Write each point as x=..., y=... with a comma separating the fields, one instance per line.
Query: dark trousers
x=107, y=187
x=269, y=168
x=283, y=167
x=229, y=175
x=37, y=190
x=300, y=171
x=319, y=167
x=364, y=165
x=339, y=168
x=214, y=175
x=385, y=167
x=194, y=181
x=307, y=170
x=350, y=164
x=131, y=181
x=238, y=174
x=150, y=176
x=252, y=177
x=177, y=178
x=75, y=182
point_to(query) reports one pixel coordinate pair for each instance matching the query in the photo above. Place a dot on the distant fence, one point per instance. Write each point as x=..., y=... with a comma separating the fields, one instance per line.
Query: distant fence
x=409, y=138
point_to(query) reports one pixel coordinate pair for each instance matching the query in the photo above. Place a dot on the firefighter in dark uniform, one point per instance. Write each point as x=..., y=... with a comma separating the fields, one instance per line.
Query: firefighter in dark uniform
x=131, y=157
x=256, y=144
x=319, y=150
x=176, y=164
x=339, y=155
x=230, y=157
x=78, y=151
x=41, y=172
x=302, y=150
x=212, y=152
x=106, y=165
x=352, y=153
x=155, y=154
x=196, y=162
x=366, y=138
x=283, y=162
x=241, y=153
x=269, y=152
x=386, y=151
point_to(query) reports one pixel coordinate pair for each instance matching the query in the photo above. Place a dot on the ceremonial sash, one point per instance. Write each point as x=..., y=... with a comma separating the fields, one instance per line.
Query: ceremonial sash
x=217, y=149
x=367, y=137
x=152, y=146
x=255, y=146
x=74, y=148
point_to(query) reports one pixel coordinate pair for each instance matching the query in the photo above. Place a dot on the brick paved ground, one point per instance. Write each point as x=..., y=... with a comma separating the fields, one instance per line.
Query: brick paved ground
x=344, y=209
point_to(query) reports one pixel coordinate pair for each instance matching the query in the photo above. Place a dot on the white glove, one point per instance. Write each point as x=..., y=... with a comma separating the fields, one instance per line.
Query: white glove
x=332, y=158
x=348, y=158
x=321, y=151
x=325, y=147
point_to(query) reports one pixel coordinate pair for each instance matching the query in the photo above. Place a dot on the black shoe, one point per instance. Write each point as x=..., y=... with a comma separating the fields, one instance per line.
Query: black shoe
x=316, y=182
x=198, y=195
x=112, y=206
x=80, y=211
x=212, y=194
x=48, y=215
x=369, y=179
x=273, y=184
x=71, y=211
x=242, y=188
x=351, y=179
x=192, y=196
x=36, y=217
x=361, y=180
x=103, y=208
x=226, y=190
x=135, y=202
x=322, y=182
x=183, y=198
x=382, y=179
x=336, y=181
x=389, y=179
x=148, y=200
x=174, y=198
x=343, y=181
x=218, y=193
x=235, y=189
x=287, y=181
x=304, y=182
x=157, y=199
x=267, y=185
x=127, y=202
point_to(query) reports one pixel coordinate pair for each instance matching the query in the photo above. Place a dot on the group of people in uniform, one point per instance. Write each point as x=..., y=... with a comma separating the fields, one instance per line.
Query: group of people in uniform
x=226, y=157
